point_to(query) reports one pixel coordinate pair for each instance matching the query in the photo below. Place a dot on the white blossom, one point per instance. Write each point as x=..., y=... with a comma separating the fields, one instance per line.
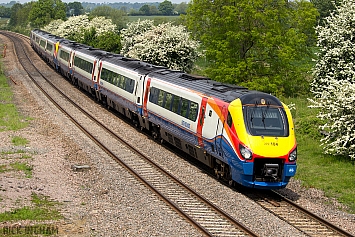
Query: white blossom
x=334, y=80
x=165, y=45
x=75, y=26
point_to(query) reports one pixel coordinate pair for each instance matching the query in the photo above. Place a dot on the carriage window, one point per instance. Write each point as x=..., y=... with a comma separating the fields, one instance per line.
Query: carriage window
x=161, y=97
x=64, y=55
x=154, y=94
x=83, y=64
x=193, y=111
x=184, y=107
x=42, y=43
x=129, y=87
x=49, y=47
x=118, y=80
x=168, y=99
x=176, y=103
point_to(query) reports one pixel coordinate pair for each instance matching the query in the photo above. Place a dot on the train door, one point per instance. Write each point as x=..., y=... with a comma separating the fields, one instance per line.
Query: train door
x=200, y=122
x=219, y=132
x=141, y=98
x=145, y=91
x=71, y=63
x=94, y=74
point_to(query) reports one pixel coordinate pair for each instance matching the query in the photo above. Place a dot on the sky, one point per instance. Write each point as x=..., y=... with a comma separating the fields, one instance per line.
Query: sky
x=101, y=1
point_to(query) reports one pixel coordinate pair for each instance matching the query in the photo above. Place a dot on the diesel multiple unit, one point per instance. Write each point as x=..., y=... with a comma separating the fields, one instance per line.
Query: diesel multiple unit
x=246, y=136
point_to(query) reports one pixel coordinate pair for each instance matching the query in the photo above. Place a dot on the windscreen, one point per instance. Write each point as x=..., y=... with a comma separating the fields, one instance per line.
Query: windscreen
x=265, y=121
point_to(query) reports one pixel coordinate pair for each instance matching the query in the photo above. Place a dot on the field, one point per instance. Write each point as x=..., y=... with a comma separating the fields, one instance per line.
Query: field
x=334, y=175
x=157, y=19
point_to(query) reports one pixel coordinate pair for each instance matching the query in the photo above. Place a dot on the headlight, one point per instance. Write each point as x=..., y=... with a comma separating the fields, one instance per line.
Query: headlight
x=245, y=152
x=293, y=155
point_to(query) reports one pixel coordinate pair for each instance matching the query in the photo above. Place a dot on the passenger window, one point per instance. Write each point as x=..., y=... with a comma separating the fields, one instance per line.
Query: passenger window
x=176, y=102
x=154, y=94
x=168, y=99
x=193, y=111
x=184, y=107
x=161, y=98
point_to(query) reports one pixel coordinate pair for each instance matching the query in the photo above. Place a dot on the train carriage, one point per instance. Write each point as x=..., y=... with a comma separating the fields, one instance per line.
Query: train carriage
x=245, y=136
x=46, y=45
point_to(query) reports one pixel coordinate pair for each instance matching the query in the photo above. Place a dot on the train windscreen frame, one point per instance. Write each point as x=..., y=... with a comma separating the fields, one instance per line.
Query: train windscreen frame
x=266, y=121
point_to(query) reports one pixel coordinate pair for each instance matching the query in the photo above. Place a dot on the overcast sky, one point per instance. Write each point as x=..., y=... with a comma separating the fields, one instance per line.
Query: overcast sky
x=102, y=1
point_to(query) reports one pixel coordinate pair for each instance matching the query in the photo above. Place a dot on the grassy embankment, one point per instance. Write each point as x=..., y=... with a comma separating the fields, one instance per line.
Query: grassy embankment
x=334, y=175
x=41, y=208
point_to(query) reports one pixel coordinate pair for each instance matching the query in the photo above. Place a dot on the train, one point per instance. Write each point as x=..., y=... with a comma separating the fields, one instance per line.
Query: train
x=246, y=137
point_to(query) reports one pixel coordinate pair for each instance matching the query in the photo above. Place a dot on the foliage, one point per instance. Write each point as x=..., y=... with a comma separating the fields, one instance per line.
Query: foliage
x=325, y=7
x=118, y=17
x=4, y=12
x=19, y=14
x=109, y=41
x=149, y=10
x=77, y=26
x=165, y=45
x=74, y=9
x=333, y=86
x=166, y=8
x=265, y=45
x=44, y=11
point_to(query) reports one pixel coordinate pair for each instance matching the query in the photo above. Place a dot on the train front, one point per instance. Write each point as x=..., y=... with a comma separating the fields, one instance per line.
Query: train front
x=265, y=140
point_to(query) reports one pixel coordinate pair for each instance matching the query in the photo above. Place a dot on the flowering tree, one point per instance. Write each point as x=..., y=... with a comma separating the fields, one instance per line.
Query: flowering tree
x=76, y=27
x=334, y=80
x=165, y=45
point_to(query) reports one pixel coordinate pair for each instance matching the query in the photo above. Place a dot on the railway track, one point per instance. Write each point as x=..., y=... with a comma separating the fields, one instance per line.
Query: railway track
x=204, y=215
x=297, y=216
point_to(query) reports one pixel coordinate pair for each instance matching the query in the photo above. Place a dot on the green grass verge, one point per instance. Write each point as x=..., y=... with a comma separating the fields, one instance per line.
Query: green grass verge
x=334, y=175
x=10, y=119
x=43, y=209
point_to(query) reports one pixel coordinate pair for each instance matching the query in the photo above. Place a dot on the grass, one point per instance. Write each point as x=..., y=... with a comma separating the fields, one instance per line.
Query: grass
x=10, y=119
x=19, y=141
x=334, y=175
x=23, y=167
x=157, y=19
x=43, y=209
x=19, y=167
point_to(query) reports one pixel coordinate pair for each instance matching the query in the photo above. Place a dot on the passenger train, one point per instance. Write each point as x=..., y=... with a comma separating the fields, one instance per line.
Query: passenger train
x=245, y=136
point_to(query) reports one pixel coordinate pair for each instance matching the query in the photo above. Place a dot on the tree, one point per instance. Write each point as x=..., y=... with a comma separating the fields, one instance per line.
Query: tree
x=334, y=80
x=117, y=16
x=5, y=12
x=145, y=9
x=19, y=16
x=74, y=9
x=164, y=45
x=166, y=8
x=181, y=8
x=14, y=19
x=44, y=11
x=263, y=45
x=325, y=7
x=78, y=27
